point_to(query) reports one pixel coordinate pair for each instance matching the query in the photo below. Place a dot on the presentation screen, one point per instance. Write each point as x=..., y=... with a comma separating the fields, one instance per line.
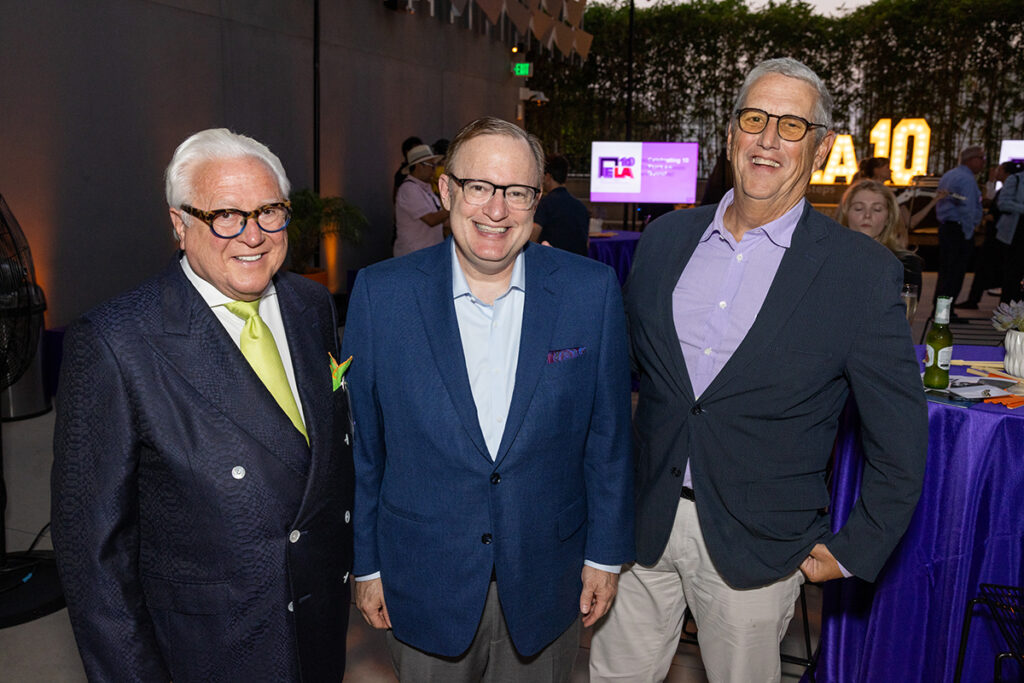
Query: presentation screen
x=647, y=172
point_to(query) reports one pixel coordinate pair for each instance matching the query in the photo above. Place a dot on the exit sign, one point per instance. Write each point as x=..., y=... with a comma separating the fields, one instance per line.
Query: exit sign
x=522, y=69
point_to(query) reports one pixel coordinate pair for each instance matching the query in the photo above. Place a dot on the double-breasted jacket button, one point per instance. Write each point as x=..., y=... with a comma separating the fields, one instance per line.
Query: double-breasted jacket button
x=676, y=472
x=495, y=478
x=486, y=539
x=696, y=410
x=294, y=536
x=237, y=471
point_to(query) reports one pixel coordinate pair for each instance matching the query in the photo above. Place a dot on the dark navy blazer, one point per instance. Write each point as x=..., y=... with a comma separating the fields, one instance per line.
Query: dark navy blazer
x=179, y=486
x=434, y=514
x=759, y=437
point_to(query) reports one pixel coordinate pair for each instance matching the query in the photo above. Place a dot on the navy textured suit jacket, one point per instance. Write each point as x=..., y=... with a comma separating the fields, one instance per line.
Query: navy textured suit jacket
x=759, y=437
x=434, y=514
x=179, y=486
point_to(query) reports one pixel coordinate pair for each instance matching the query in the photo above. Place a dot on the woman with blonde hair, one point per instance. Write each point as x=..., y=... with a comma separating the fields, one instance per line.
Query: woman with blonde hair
x=870, y=207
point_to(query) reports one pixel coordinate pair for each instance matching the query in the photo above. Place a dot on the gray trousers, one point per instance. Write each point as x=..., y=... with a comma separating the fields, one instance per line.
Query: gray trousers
x=491, y=657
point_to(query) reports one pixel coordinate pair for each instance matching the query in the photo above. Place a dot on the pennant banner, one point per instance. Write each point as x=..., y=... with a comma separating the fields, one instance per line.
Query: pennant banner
x=574, y=11
x=541, y=24
x=519, y=15
x=491, y=8
x=563, y=38
x=582, y=41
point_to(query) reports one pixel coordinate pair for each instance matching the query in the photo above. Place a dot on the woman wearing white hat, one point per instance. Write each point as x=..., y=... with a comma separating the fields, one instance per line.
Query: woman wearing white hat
x=419, y=217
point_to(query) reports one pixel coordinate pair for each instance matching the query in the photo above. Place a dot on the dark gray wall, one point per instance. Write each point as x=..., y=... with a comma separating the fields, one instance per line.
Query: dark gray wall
x=95, y=95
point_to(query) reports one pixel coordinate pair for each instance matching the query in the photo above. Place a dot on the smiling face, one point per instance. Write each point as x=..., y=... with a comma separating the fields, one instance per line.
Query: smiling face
x=868, y=213
x=240, y=267
x=489, y=236
x=772, y=174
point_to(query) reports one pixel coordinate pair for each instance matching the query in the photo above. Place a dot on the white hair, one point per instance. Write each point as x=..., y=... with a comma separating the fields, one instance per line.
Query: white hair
x=210, y=145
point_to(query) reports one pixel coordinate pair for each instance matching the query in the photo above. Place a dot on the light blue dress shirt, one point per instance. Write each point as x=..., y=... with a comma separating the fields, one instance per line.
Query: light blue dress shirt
x=966, y=210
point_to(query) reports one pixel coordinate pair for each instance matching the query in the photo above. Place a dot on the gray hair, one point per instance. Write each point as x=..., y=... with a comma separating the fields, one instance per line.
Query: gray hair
x=210, y=145
x=787, y=66
x=490, y=125
x=972, y=152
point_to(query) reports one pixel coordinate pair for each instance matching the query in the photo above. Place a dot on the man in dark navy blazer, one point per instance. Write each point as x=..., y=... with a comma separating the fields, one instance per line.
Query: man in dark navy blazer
x=751, y=324
x=490, y=393
x=201, y=500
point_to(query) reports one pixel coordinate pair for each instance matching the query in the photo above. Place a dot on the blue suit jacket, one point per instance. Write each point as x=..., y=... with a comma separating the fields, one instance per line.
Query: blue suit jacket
x=177, y=564
x=433, y=513
x=759, y=438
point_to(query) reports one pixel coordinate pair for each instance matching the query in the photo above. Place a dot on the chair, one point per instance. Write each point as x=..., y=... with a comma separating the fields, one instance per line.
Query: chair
x=809, y=661
x=1006, y=603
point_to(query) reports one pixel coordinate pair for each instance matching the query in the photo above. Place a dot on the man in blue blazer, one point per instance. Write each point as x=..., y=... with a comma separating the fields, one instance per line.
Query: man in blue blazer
x=491, y=400
x=201, y=496
x=751, y=323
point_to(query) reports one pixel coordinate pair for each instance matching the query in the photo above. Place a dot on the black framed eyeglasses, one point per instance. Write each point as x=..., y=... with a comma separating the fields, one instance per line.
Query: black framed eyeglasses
x=479, y=192
x=791, y=128
x=228, y=223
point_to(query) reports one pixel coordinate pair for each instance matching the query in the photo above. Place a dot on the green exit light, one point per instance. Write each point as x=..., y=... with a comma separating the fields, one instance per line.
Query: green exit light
x=522, y=69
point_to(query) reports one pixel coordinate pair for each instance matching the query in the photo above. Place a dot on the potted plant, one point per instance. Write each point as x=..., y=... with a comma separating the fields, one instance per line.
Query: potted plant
x=1009, y=317
x=315, y=217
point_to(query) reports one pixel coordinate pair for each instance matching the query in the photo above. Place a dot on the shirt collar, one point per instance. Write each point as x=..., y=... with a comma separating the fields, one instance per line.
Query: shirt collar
x=460, y=287
x=779, y=231
x=211, y=295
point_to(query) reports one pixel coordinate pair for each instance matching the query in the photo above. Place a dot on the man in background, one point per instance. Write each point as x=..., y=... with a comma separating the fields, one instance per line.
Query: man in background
x=959, y=213
x=561, y=219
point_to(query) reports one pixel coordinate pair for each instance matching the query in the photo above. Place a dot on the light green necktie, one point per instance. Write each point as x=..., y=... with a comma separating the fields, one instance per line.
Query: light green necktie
x=260, y=350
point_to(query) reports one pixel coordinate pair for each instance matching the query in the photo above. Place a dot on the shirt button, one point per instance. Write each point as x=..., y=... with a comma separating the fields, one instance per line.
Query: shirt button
x=722, y=304
x=237, y=471
x=348, y=516
x=707, y=351
x=294, y=536
x=739, y=257
x=486, y=539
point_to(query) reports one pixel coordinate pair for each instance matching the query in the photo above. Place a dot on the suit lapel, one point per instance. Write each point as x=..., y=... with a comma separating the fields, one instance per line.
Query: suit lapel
x=540, y=313
x=195, y=344
x=797, y=270
x=678, y=255
x=438, y=312
x=312, y=379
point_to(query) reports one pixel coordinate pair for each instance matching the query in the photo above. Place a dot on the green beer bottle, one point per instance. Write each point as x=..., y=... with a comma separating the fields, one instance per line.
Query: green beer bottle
x=939, y=346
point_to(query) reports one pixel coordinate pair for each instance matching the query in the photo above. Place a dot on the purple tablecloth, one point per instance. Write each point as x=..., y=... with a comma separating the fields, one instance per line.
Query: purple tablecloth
x=968, y=529
x=617, y=251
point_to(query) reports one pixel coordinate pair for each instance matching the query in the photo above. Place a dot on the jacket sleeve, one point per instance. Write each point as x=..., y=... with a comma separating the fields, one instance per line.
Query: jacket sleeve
x=1011, y=198
x=95, y=513
x=608, y=457
x=884, y=379
x=368, y=449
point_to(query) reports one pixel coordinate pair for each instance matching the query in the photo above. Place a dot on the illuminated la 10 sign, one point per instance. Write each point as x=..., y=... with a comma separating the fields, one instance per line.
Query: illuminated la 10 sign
x=842, y=160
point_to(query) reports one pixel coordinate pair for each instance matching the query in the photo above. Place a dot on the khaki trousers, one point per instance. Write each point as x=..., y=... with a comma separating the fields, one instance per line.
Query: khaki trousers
x=739, y=630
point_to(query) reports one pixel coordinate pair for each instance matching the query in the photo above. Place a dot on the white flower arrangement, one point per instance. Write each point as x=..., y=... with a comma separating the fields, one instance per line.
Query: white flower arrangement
x=1009, y=316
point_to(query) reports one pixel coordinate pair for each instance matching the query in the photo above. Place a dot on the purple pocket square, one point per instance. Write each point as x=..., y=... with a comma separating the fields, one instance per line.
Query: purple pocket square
x=565, y=354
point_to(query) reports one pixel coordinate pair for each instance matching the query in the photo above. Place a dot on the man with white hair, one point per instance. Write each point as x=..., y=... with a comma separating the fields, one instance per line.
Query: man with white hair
x=202, y=475
x=751, y=322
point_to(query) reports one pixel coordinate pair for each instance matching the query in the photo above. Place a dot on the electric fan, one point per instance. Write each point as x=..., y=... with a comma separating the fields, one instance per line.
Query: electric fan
x=29, y=586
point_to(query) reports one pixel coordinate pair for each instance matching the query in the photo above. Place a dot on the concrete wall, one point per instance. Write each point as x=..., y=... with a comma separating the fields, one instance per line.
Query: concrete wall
x=96, y=94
